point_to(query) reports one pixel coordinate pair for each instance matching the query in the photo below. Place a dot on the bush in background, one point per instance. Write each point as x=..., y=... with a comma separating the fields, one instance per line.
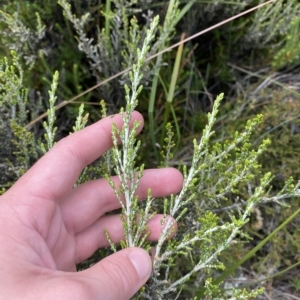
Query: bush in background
x=93, y=41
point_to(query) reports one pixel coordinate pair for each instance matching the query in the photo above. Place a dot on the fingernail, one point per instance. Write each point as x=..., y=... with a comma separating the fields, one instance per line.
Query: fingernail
x=142, y=263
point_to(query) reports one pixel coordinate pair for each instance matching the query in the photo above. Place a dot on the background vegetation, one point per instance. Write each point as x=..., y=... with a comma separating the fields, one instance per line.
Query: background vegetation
x=254, y=60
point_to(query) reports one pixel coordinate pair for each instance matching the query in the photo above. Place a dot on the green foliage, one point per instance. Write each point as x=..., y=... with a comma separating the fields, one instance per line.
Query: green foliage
x=49, y=127
x=81, y=119
x=289, y=54
x=214, y=293
x=271, y=24
x=200, y=187
x=226, y=168
x=13, y=94
x=296, y=283
x=167, y=154
x=279, y=103
x=21, y=38
x=125, y=159
x=13, y=106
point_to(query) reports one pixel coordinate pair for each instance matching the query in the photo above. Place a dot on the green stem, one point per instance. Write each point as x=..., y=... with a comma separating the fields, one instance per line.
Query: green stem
x=107, y=23
x=171, y=93
x=151, y=110
x=177, y=128
x=166, y=120
x=184, y=10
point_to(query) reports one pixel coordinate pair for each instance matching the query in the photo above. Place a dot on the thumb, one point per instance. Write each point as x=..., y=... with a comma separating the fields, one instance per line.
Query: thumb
x=120, y=275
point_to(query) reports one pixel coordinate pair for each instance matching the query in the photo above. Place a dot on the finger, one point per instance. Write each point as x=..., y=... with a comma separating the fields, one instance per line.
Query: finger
x=94, y=237
x=118, y=276
x=85, y=204
x=56, y=172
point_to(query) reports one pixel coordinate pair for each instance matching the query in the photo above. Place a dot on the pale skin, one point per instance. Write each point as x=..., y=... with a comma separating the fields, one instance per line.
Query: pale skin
x=47, y=226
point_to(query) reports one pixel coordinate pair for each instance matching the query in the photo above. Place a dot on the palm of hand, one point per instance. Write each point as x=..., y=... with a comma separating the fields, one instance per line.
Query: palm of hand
x=48, y=226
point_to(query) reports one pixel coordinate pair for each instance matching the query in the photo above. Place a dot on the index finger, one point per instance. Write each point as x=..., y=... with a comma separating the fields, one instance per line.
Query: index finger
x=57, y=171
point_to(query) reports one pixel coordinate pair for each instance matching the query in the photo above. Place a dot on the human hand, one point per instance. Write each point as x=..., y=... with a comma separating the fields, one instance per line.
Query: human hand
x=47, y=226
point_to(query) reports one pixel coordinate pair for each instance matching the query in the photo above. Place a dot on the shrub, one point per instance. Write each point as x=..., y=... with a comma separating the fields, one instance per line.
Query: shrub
x=224, y=180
